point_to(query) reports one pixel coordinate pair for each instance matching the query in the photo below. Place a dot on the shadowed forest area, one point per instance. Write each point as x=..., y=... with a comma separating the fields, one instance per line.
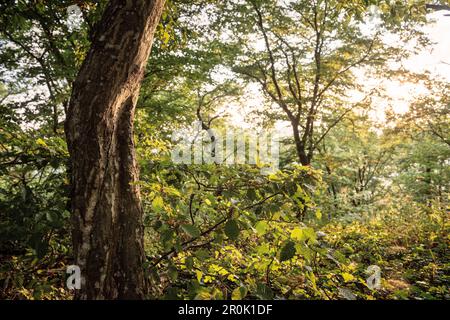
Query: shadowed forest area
x=234, y=149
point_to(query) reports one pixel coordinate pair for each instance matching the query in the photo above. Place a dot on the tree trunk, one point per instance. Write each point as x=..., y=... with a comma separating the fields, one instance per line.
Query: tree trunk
x=106, y=210
x=300, y=146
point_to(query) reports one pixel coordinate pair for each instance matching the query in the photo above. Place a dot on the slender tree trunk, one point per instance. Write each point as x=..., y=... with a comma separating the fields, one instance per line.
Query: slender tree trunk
x=107, y=215
x=429, y=192
x=300, y=146
x=333, y=190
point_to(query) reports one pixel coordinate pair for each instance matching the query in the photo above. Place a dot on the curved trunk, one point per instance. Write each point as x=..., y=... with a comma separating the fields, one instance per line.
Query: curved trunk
x=107, y=215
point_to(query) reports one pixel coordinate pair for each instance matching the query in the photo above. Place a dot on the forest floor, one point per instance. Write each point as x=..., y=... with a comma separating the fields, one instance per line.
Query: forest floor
x=410, y=249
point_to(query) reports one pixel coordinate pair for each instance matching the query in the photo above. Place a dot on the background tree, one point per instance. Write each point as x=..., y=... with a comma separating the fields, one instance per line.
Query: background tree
x=302, y=54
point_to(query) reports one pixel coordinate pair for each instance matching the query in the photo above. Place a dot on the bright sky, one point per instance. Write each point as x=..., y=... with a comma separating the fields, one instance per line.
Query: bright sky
x=437, y=58
x=434, y=59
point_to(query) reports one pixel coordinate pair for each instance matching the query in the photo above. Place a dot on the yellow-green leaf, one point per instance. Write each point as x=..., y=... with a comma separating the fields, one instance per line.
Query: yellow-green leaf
x=158, y=203
x=319, y=214
x=239, y=293
x=297, y=234
x=347, y=277
x=261, y=228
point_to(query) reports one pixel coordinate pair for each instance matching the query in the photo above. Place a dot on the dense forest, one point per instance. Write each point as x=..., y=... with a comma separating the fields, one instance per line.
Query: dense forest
x=224, y=149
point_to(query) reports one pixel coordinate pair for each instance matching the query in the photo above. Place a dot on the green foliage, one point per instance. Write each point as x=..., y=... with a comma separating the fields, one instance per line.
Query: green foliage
x=287, y=251
x=33, y=192
x=25, y=277
x=232, y=229
x=191, y=230
x=371, y=196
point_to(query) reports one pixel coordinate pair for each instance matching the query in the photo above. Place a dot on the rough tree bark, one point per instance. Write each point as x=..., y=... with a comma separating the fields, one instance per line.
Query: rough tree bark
x=107, y=215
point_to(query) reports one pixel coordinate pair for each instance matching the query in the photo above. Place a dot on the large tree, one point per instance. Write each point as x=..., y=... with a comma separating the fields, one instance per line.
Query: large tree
x=107, y=215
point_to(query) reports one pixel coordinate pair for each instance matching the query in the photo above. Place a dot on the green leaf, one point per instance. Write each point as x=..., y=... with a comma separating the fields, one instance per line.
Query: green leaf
x=319, y=214
x=158, y=204
x=232, y=229
x=239, y=293
x=261, y=227
x=172, y=191
x=51, y=216
x=166, y=235
x=304, y=251
x=263, y=249
x=41, y=143
x=203, y=294
x=173, y=273
x=287, y=251
x=347, y=277
x=310, y=234
x=191, y=230
x=189, y=263
x=263, y=292
x=199, y=275
x=297, y=234
x=312, y=278
x=166, y=37
x=218, y=237
x=201, y=254
x=251, y=194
